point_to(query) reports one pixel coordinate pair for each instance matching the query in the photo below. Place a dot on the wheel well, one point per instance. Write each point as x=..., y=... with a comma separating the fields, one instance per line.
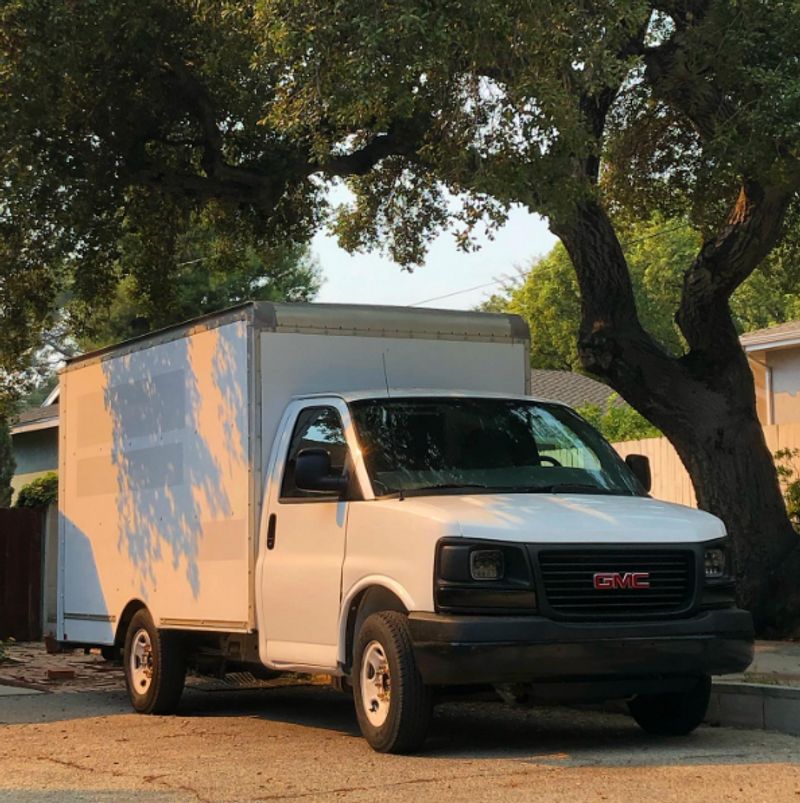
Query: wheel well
x=125, y=619
x=364, y=604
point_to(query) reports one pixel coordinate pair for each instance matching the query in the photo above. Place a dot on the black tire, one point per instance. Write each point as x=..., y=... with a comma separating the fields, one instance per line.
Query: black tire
x=110, y=653
x=672, y=713
x=342, y=685
x=410, y=702
x=167, y=664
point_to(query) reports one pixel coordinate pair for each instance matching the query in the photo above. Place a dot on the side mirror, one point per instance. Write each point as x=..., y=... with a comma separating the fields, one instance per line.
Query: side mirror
x=639, y=464
x=312, y=472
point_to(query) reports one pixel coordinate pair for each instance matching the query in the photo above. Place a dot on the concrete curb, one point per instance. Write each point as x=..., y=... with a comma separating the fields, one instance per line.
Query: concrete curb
x=758, y=706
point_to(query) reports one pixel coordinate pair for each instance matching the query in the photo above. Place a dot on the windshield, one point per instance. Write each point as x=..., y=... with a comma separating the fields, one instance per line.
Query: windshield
x=440, y=445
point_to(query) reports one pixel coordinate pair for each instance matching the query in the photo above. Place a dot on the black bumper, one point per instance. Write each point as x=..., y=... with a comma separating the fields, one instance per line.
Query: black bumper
x=469, y=650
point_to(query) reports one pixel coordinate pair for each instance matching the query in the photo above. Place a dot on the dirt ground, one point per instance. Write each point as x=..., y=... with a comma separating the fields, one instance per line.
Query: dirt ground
x=27, y=665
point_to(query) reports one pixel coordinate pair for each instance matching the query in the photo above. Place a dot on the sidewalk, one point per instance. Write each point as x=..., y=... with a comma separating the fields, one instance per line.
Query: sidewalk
x=766, y=696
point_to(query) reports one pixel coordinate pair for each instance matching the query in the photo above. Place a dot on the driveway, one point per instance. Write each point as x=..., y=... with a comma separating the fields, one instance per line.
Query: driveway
x=302, y=743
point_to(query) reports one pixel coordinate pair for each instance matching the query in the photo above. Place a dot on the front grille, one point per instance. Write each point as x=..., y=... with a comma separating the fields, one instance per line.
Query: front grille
x=568, y=577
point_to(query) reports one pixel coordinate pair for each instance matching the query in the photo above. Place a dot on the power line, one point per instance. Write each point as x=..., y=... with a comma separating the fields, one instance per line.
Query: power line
x=503, y=279
x=456, y=293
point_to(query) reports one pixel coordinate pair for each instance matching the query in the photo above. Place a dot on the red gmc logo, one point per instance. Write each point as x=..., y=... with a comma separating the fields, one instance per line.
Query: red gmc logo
x=606, y=581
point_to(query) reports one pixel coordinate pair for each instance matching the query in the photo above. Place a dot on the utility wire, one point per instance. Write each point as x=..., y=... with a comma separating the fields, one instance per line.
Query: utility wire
x=503, y=279
x=456, y=292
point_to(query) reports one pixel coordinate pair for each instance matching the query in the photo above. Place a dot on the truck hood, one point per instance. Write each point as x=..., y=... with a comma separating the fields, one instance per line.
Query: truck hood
x=565, y=518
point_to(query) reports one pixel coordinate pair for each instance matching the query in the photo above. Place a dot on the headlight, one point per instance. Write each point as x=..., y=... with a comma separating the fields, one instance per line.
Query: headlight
x=483, y=577
x=487, y=564
x=715, y=563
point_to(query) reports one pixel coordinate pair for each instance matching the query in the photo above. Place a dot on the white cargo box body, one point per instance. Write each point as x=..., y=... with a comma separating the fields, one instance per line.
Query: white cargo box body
x=163, y=440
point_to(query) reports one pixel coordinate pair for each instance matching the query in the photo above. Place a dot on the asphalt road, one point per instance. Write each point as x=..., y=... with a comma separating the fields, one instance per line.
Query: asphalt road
x=303, y=744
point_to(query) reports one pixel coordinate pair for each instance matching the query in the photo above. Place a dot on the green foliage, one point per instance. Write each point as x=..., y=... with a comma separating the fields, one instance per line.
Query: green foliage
x=618, y=422
x=124, y=125
x=658, y=252
x=7, y=462
x=3, y=644
x=37, y=394
x=121, y=125
x=41, y=492
x=213, y=272
x=787, y=464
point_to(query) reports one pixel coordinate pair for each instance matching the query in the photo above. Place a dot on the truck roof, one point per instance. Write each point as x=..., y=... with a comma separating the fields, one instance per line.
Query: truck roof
x=338, y=319
x=411, y=393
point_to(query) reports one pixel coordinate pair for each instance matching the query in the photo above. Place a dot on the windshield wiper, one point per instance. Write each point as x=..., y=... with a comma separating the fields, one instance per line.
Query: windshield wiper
x=575, y=487
x=445, y=486
x=402, y=493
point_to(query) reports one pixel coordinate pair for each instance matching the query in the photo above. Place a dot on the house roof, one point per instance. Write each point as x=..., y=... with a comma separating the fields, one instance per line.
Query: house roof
x=36, y=418
x=576, y=390
x=784, y=334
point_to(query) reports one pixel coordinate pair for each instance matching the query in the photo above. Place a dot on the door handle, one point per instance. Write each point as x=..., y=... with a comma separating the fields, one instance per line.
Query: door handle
x=273, y=520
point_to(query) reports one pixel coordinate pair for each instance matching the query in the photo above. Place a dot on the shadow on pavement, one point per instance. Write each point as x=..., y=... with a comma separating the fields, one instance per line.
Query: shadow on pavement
x=460, y=730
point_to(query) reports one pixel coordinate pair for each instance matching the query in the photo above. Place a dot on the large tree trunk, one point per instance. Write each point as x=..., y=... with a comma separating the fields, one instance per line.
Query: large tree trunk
x=720, y=441
x=704, y=402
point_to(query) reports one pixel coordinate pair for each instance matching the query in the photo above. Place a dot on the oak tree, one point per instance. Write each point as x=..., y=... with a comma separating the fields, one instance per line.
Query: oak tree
x=547, y=295
x=125, y=115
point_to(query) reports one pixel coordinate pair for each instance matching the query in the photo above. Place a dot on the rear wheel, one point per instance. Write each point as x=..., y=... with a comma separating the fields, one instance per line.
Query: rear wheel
x=155, y=666
x=672, y=713
x=392, y=703
x=110, y=653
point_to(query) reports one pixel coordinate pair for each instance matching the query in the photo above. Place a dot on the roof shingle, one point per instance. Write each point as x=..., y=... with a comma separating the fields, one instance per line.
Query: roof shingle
x=576, y=390
x=771, y=334
x=36, y=414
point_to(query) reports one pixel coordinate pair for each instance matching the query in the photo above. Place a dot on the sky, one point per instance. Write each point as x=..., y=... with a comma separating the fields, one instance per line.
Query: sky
x=374, y=279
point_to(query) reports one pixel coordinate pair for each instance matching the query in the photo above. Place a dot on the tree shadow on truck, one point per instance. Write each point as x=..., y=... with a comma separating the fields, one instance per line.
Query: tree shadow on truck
x=180, y=453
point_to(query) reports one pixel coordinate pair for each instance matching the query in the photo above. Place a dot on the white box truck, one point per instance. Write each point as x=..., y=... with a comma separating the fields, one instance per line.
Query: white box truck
x=369, y=492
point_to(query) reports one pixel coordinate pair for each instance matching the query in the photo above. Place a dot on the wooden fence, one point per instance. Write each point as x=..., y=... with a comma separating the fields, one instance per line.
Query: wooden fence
x=670, y=479
x=21, y=573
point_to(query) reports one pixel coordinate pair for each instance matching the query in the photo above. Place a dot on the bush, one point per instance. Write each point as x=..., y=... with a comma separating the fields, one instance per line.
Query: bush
x=787, y=465
x=3, y=645
x=41, y=492
x=618, y=422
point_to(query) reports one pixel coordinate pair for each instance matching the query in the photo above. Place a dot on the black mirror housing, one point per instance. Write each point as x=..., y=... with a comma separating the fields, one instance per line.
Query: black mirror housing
x=639, y=464
x=312, y=472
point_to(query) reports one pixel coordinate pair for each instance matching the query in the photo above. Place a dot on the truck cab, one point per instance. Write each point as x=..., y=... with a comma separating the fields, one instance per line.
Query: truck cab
x=505, y=540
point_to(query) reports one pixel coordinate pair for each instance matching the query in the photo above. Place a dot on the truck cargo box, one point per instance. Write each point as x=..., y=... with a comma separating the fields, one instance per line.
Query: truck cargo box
x=163, y=441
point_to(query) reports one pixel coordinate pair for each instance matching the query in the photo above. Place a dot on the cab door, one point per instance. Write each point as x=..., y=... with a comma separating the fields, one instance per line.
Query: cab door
x=305, y=543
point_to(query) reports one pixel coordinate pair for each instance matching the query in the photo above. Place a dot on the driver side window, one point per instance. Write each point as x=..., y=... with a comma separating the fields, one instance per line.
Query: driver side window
x=315, y=428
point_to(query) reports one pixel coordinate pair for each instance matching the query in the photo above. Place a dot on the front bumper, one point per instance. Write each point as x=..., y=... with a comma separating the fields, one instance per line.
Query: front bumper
x=467, y=650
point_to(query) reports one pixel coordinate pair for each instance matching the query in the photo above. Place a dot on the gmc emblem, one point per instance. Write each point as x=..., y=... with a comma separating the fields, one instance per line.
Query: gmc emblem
x=606, y=581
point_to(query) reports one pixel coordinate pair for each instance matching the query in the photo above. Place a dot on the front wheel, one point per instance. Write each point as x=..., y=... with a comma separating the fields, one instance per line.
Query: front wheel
x=672, y=713
x=155, y=666
x=393, y=705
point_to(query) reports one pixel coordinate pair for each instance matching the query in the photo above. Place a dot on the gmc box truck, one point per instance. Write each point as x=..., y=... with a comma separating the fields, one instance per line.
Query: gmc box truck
x=372, y=493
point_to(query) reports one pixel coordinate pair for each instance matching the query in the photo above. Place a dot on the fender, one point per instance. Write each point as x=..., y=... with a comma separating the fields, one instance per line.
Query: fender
x=365, y=582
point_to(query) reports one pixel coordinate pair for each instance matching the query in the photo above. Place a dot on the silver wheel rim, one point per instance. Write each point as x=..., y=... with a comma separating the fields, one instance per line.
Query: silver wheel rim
x=375, y=684
x=140, y=662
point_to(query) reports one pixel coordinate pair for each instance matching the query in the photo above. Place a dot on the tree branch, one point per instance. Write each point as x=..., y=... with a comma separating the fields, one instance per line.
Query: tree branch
x=687, y=87
x=264, y=186
x=753, y=228
x=403, y=138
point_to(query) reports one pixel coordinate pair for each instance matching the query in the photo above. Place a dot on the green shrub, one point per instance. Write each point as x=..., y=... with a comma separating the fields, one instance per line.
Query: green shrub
x=40, y=492
x=3, y=645
x=618, y=422
x=787, y=464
